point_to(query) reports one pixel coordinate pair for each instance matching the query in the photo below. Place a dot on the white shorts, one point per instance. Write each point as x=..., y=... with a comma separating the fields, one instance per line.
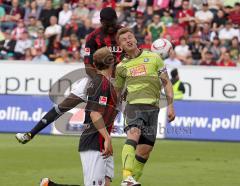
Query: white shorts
x=95, y=168
x=80, y=88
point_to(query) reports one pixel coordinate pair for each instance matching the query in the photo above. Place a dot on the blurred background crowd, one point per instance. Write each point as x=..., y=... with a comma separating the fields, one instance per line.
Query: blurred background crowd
x=203, y=32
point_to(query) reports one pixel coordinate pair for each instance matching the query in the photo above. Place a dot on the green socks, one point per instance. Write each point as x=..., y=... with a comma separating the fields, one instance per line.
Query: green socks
x=138, y=165
x=128, y=157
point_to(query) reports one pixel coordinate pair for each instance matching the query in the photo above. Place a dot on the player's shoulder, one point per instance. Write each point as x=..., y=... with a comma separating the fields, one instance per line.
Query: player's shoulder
x=94, y=33
x=147, y=53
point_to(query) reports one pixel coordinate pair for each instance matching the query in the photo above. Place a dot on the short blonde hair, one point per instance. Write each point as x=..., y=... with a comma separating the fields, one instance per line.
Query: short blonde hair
x=122, y=31
x=102, y=58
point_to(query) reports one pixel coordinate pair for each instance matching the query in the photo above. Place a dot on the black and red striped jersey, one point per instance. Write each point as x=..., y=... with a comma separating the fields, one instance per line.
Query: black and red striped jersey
x=98, y=39
x=101, y=98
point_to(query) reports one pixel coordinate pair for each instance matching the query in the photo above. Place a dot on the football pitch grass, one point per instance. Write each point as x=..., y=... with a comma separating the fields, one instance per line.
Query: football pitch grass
x=172, y=163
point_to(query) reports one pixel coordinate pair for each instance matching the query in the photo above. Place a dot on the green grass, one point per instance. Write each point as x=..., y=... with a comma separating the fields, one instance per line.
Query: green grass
x=172, y=163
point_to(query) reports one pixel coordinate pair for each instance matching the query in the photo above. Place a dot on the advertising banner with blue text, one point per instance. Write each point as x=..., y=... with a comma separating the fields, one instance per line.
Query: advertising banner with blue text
x=205, y=121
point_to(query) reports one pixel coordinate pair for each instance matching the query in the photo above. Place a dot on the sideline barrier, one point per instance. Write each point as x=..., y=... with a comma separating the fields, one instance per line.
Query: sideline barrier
x=207, y=121
x=20, y=113
x=202, y=118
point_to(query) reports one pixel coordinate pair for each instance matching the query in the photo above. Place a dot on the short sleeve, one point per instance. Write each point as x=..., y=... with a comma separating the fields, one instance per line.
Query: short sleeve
x=98, y=95
x=90, y=49
x=119, y=77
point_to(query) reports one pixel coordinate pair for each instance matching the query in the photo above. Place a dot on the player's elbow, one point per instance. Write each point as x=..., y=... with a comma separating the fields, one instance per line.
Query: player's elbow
x=95, y=115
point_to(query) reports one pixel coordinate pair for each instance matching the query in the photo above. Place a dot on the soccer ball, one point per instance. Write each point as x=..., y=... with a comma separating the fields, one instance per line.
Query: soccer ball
x=161, y=47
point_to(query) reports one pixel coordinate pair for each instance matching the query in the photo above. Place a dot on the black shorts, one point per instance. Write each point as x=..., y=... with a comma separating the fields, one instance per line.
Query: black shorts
x=144, y=117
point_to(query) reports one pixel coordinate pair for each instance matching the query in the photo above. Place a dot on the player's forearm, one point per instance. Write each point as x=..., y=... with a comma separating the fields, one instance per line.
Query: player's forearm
x=99, y=123
x=169, y=93
x=167, y=85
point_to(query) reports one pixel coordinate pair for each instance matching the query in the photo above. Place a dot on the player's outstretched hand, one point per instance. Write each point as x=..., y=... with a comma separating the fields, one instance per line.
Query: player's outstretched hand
x=108, y=150
x=170, y=113
x=23, y=137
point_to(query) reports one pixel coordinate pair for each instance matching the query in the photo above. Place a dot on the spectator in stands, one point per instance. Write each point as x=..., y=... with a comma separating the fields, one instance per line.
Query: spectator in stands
x=57, y=5
x=120, y=13
x=33, y=11
x=208, y=59
x=182, y=50
x=21, y=45
x=167, y=18
x=196, y=4
x=64, y=57
x=81, y=12
x=2, y=37
x=204, y=15
x=72, y=27
x=13, y=14
x=139, y=29
x=40, y=57
x=18, y=31
x=172, y=61
x=109, y=3
x=228, y=32
x=40, y=42
x=226, y=61
x=28, y=55
x=2, y=13
x=85, y=29
x=74, y=44
x=41, y=3
x=185, y=15
x=64, y=15
x=234, y=50
x=146, y=45
x=219, y=20
x=46, y=13
x=175, y=32
x=53, y=29
x=7, y=45
x=215, y=5
x=76, y=57
x=192, y=28
x=230, y=3
x=53, y=48
x=33, y=27
x=95, y=14
x=159, y=5
x=215, y=48
x=142, y=6
x=156, y=28
x=196, y=49
x=234, y=16
x=128, y=5
x=130, y=21
x=206, y=34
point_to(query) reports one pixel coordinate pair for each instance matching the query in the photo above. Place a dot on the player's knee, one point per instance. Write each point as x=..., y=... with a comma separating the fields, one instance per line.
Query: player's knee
x=144, y=151
x=134, y=133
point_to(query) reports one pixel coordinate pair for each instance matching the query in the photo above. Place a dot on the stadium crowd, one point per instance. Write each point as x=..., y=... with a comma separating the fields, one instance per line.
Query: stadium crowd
x=203, y=32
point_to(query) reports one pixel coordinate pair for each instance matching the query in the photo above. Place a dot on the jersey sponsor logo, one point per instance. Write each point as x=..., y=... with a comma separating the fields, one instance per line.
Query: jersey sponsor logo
x=146, y=59
x=87, y=51
x=103, y=100
x=138, y=71
x=115, y=49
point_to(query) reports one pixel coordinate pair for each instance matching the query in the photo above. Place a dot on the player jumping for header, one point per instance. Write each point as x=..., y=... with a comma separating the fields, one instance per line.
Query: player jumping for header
x=143, y=73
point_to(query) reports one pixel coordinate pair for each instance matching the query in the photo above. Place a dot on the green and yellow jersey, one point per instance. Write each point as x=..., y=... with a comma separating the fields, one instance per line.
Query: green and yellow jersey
x=141, y=78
